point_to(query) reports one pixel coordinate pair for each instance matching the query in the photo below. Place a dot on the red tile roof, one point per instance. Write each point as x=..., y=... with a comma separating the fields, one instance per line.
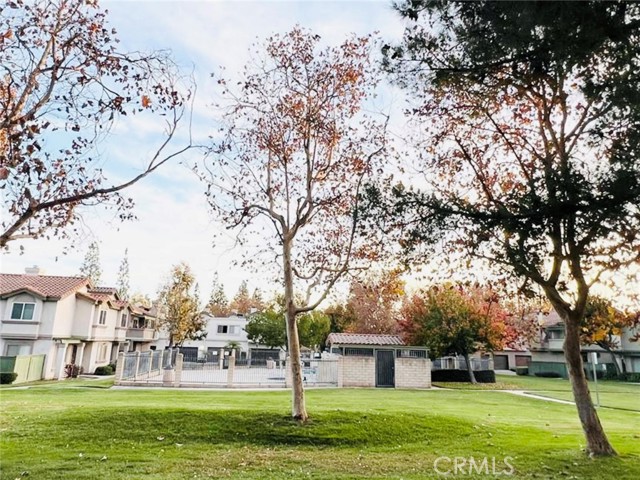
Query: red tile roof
x=103, y=290
x=48, y=286
x=363, y=339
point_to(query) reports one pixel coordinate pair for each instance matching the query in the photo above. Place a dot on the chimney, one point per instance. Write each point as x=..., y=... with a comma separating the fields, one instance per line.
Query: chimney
x=35, y=270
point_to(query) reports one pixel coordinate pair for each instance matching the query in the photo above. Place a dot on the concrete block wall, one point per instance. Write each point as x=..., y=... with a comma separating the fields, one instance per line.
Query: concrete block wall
x=356, y=372
x=413, y=373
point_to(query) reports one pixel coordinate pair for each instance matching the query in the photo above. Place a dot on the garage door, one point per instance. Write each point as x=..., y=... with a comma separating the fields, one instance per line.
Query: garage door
x=190, y=354
x=501, y=362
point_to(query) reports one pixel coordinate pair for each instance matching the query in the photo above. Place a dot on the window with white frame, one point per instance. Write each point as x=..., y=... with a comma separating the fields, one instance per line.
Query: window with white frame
x=22, y=311
x=103, y=318
x=223, y=329
x=123, y=320
x=15, y=349
x=102, y=352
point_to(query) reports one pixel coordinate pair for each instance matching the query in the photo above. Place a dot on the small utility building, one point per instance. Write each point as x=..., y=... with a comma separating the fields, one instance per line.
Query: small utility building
x=369, y=360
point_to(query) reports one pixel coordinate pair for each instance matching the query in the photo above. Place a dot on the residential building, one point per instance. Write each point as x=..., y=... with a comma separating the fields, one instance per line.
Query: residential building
x=547, y=352
x=65, y=318
x=224, y=334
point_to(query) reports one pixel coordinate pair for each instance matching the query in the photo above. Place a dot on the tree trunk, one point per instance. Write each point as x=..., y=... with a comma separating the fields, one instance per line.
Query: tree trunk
x=472, y=377
x=299, y=410
x=597, y=442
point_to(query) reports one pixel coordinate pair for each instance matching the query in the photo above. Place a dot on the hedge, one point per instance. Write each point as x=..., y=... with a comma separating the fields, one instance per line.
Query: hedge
x=482, y=376
x=104, y=370
x=548, y=374
x=7, y=378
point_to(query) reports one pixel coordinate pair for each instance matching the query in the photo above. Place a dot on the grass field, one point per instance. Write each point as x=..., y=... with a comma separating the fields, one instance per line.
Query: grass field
x=78, y=430
x=612, y=394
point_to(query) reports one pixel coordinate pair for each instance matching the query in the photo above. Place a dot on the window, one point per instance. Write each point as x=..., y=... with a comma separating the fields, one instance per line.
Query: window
x=103, y=318
x=405, y=353
x=123, y=320
x=102, y=352
x=358, y=352
x=223, y=328
x=15, y=349
x=555, y=334
x=22, y=311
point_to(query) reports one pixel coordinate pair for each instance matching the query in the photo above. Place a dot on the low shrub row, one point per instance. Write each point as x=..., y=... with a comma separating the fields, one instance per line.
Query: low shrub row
x=7, y=378
x=482, y=376
x=633, y=377
x=548, y=374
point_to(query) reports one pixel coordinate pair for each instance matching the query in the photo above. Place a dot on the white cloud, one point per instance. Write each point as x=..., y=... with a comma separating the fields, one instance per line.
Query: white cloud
x=174, y=223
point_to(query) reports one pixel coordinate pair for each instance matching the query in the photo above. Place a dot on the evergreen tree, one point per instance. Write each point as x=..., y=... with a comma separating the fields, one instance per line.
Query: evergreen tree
x=257, y=301
x=218, y=304
x=123, y=277
x=91, y=264
x=242, y=301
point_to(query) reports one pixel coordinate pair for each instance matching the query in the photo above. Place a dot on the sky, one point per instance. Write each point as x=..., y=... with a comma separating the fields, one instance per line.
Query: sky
x=173, y=221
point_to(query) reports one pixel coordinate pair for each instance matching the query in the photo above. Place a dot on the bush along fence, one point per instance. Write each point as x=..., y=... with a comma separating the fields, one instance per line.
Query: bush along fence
x=172, y=368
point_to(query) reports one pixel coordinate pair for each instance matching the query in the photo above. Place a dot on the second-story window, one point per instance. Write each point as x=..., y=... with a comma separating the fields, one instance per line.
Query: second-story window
x=22, y=311
x=223, y=328
x=103, y=318
x=123, y=320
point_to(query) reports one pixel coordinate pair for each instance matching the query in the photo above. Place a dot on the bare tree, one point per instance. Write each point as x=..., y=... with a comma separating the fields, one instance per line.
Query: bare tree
x=290, y=163
x=63, y=84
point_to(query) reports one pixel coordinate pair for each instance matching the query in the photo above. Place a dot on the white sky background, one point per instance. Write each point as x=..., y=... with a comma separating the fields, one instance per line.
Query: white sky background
x=173, y=220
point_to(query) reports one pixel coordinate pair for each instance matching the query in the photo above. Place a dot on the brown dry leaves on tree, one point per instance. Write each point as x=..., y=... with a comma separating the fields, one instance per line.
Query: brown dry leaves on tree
x=63, y=84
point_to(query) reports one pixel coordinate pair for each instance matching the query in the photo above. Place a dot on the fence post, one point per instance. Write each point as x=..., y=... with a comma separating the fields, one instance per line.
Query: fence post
x=135, y=373
x=232, y=367
x=150, y=364
x=221, y=359
x=119, y=368
x=178, y=374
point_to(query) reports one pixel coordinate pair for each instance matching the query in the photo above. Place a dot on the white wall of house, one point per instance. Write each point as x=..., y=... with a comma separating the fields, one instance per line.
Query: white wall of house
x=83, y=318
x=220, y=332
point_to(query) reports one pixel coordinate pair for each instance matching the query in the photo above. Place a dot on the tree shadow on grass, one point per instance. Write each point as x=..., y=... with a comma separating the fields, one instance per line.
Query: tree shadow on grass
x=332, y=429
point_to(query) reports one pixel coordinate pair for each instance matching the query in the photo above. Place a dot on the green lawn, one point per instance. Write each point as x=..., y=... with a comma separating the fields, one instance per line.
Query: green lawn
x=73, y=432
x=613, y=394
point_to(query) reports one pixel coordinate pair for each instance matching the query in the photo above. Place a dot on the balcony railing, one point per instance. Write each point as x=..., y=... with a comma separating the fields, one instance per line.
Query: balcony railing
x=141, y=334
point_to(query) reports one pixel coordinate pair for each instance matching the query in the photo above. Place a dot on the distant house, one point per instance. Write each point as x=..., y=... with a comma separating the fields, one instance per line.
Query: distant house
x=547, y=352
x=224, y=334
x=65, y=318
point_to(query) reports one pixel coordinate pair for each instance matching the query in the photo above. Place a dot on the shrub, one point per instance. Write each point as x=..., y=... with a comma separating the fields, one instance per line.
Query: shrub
x=522, y=370
x=104, y=370
x=548, y=374
x=482, y=376
x=629, y=377
x=72, y=370
x=7, y=378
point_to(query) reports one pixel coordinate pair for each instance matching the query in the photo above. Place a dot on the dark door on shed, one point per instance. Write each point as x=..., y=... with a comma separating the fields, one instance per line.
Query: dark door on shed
x=501, y=362
x=385, y=368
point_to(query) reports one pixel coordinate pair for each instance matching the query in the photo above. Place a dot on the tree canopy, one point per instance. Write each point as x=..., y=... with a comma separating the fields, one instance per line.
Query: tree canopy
x=63, y=84
x=294, y=151
x=531, y=119
x=179, y=307
x=454, y=320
